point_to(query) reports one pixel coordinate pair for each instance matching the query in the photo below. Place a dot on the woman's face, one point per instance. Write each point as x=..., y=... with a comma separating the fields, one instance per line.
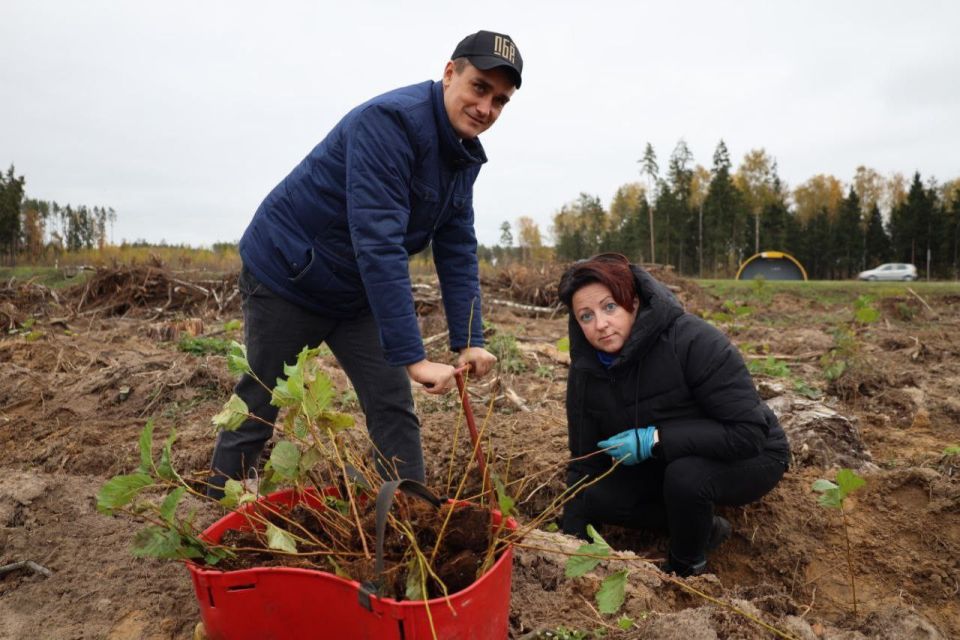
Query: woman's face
x=604, y=322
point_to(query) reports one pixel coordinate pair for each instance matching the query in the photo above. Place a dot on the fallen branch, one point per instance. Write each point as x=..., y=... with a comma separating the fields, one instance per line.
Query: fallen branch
x=440, y=336
x=924, y=302
x=516, y=400
x=546, y=349
x=526, y=308
x=811, y=355
x=26, y=564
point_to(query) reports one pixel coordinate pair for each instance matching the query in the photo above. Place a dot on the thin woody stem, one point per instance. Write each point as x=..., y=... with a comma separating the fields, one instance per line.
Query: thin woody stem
x=846, y=537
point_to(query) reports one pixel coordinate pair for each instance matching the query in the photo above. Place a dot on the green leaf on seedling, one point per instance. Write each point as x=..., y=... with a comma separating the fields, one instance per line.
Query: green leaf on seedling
x=625, y=622
x=237, y=362
x=552, y=527
x=233, y=325
x=335, y=422
x=211, y=557
x=168, y=510
x=279, y=539
x=829, y=493
x=806, y=390
x=146, y=445
x=823, y=484
x=504, y=501
x=269, y=479
x=120, y=490
x=596, y=537
x=234, y=495
x=319, y=393
x=281, y=396
x=867, y=315
x=194, y=547
x=341, y=506
x=864, y=311
x=832, y=494
x=165, y=468
x=952, y=450
x=563, y=345
x=309, y=459
x=232, y=415
x=159, y=542
x=579, y=563
x=848, y=482
x=612, y=592
x=289, y=392
x=414, y=586
x=285, y=460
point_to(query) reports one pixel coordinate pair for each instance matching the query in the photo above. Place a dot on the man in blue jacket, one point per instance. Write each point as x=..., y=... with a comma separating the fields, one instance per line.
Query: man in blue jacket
x=325, y=258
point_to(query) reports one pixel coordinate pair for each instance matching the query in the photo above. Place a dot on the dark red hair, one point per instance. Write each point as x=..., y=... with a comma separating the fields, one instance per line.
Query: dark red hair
x=612, y=270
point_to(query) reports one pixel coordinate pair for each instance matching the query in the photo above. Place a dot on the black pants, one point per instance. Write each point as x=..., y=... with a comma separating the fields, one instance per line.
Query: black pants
x=676, y=497
x=275, y=331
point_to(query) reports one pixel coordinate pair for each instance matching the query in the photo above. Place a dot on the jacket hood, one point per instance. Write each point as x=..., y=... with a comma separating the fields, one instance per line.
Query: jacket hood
x=459, y=153
x=659, y=308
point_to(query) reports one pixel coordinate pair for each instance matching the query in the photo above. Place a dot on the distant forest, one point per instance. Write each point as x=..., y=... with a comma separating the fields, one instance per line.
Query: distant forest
x=704, y=222
x=30, y=229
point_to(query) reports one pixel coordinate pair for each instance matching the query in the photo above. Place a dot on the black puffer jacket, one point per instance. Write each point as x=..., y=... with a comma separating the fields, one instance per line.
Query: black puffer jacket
x=676, y=372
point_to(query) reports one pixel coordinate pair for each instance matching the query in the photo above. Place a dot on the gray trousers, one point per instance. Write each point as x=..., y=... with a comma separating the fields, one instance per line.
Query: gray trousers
x=275, y=331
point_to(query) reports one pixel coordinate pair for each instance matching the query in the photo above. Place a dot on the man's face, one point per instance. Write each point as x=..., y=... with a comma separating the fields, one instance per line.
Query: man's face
x=475, y=98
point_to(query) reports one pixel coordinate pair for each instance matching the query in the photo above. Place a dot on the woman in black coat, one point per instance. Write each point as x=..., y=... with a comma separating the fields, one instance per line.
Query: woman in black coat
x=668, y=396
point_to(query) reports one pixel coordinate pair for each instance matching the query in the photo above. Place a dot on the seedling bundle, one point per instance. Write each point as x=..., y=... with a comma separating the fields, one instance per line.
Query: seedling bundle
x=335, y=553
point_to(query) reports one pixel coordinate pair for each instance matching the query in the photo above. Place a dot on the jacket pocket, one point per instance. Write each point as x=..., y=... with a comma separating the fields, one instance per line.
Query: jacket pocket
x=311, y=258
x=293, y=251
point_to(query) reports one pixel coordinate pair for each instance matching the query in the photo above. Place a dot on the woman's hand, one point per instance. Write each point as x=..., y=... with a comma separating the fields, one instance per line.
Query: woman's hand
x=631, y=446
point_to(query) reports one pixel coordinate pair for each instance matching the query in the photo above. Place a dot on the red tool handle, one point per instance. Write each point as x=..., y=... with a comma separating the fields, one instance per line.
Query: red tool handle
x=474, y=435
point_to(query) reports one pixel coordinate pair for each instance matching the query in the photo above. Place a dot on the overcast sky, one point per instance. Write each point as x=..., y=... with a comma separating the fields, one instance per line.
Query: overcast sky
x=183, y=115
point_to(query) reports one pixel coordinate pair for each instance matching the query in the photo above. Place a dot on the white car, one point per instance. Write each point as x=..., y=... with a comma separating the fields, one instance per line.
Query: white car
x=891, y=271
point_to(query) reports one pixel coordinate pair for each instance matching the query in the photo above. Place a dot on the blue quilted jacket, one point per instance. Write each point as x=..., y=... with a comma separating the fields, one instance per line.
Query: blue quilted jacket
x=335, y=235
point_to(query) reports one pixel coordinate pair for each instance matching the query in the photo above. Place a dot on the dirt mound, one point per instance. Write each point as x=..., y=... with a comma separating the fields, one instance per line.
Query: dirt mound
x=820, y=436
x=534, y=285
x=21, y=300
x=151, y=290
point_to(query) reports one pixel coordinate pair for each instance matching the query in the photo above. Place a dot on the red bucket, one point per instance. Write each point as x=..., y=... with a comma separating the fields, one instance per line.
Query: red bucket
x=274, y=603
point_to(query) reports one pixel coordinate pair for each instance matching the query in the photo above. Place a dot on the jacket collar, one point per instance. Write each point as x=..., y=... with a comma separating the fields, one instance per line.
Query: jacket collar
x=458, y=153
x=658, y=309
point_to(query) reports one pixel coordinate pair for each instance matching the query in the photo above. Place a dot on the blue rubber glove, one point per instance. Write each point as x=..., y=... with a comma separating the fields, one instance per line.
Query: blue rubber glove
x=630, y=446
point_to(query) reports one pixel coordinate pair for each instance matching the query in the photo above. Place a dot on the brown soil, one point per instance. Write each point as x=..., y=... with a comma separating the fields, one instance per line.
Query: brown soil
x=76, y=389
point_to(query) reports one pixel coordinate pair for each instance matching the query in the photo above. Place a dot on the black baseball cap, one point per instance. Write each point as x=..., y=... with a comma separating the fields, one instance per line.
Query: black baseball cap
x=487, y=50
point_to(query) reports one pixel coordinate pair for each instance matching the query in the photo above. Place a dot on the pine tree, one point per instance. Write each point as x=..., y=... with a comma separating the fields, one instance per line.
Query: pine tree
x=910, y=225
x=877, y=243
x=11, y=199
x=506, y=240
x=722, y=215
x=679, y=242
x=848, y=236
x=953, y=234
x=650, y=169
